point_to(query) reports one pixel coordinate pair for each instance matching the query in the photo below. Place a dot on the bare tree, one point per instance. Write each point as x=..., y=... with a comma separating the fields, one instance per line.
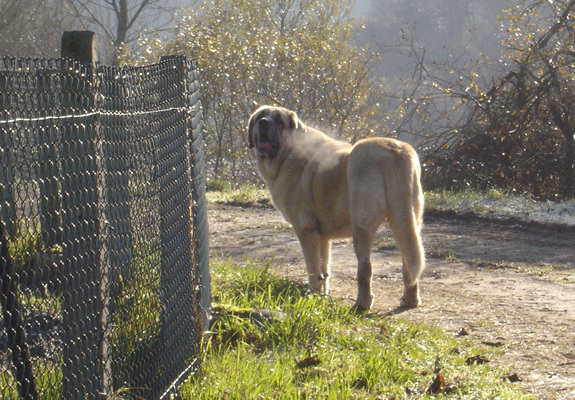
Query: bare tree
x=32, y=27
x=122, y=22
x=295, y=53
x=517, y=133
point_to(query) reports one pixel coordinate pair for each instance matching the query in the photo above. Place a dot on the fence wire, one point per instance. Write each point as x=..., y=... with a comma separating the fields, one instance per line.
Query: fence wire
x=104, y=262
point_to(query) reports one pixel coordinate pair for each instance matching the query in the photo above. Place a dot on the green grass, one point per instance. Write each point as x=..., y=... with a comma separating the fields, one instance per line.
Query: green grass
x=48, y=378
x=136, y=318
x=502, y=205
x=219, y=192
x=492, y=203
x=314, y=347
x=483, y=203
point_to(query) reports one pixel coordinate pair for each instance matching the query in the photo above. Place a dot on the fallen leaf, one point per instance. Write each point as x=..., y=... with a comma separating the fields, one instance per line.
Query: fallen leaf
x=478, y=359
x=360, y=383
x=311, y=361
x=463, y=332
x=493, y=344
x=383, y=330
x=437, y=386
x=513, y=378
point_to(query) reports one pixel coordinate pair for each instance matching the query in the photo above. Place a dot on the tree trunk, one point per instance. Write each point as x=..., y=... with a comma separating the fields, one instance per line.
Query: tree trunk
x=570, y=164
x=121, y=30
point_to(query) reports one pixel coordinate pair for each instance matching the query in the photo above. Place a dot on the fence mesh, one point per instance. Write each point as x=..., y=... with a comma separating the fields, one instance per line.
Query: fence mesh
x=104, y=264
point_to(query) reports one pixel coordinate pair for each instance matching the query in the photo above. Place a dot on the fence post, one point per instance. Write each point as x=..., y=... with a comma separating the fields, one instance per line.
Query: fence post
x=85, y=299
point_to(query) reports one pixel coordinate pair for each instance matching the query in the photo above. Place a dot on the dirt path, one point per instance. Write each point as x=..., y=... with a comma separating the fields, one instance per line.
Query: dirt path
x=508, y=285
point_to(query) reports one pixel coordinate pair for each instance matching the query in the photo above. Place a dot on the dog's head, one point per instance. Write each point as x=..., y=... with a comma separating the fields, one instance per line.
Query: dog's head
x=267, y=128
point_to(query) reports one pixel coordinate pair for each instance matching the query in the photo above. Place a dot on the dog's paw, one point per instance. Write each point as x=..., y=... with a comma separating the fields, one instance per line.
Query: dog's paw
x=410, y=298
x=410, y=302
x=319, y=284
x=360, y=309
x=363, y=304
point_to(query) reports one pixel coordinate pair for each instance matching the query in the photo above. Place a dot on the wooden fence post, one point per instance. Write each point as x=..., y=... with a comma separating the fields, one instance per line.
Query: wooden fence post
x=85, y=299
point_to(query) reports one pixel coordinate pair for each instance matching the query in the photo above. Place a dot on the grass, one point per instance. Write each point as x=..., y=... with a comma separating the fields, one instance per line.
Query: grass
x=310, y=347
x=493, y=203
x=313, y=347
x=220, y=192
x=136, y=306
x=555, y=272
x=48, y=381
x=500, y=204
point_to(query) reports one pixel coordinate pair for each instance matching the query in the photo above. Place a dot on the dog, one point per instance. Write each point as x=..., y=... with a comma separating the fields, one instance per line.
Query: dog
x=328, y=189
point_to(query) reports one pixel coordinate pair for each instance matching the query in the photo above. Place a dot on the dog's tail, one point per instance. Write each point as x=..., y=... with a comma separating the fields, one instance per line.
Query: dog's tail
x=405, y=203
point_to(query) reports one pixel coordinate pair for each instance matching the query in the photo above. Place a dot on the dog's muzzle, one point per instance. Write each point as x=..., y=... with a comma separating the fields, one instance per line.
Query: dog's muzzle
x=264, y=142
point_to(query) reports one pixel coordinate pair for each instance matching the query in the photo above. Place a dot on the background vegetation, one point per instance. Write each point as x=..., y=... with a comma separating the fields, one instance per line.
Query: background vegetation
x=483, y=89
x=297, y=54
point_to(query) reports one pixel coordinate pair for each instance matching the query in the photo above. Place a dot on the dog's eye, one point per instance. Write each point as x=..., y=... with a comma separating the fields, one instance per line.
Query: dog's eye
x=277, y=118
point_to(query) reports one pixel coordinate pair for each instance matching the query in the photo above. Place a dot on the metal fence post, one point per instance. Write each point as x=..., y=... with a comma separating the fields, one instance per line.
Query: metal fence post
x=86, y=361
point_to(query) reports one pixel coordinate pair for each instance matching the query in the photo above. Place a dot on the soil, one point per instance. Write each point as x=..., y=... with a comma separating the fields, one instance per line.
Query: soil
x=507, y=285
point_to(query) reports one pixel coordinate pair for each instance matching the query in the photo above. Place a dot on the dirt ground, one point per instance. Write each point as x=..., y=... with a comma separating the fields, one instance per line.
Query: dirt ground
x=510, y=286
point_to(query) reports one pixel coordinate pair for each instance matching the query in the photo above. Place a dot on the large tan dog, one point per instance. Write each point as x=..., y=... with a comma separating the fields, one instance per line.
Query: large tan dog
x=330, y=189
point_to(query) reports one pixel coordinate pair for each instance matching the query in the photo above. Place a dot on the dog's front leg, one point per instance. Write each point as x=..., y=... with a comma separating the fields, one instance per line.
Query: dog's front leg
x=325, y=253
x=313, y=246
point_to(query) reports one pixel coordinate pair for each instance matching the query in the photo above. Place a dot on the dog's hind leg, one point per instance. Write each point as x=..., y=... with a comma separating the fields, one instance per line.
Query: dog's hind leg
x=363, y=237
x=366, y=211
x=408, y=239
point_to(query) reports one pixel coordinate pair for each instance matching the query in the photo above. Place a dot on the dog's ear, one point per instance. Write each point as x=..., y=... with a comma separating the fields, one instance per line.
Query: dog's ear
x=294, y=122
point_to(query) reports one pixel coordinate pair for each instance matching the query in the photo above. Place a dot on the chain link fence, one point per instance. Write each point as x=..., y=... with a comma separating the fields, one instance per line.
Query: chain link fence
x=104, y=261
